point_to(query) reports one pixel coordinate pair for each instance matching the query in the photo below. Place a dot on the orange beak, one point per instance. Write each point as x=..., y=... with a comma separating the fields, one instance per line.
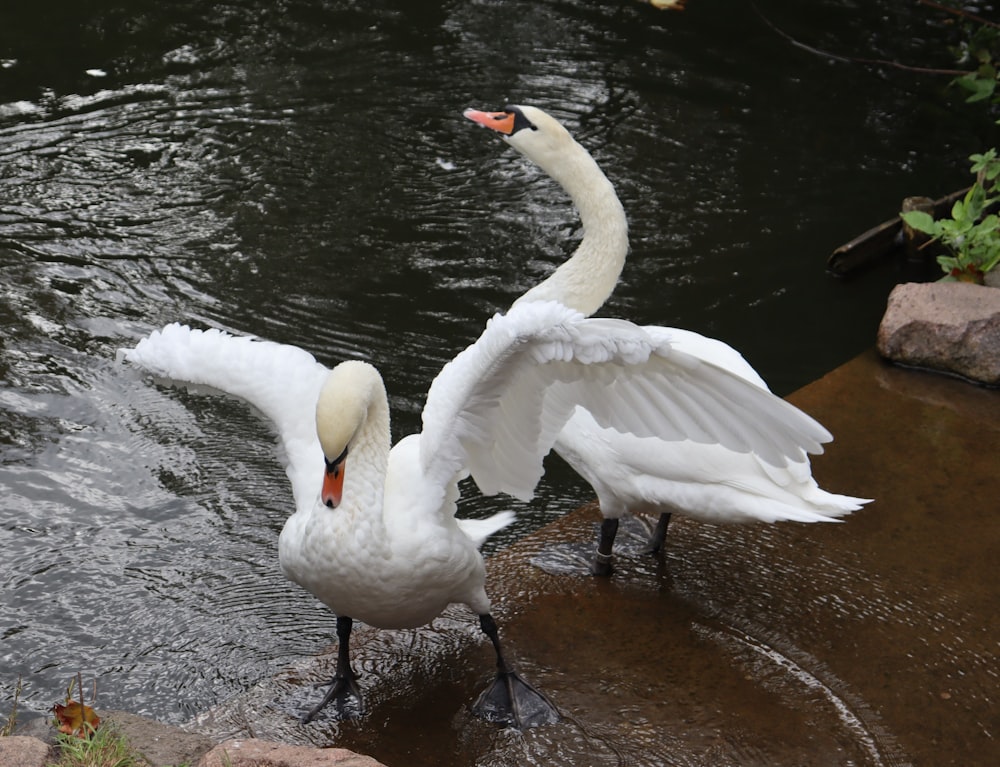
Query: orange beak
x=501, y=122
x=333, y=484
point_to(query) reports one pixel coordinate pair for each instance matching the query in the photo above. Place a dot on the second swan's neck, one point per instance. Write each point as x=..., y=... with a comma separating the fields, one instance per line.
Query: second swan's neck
x=585, y=281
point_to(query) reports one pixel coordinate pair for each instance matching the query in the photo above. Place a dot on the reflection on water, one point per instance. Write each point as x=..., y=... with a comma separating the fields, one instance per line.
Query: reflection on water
x=301, y=172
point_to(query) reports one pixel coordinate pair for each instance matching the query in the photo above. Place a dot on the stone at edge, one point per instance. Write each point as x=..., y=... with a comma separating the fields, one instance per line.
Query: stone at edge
x=952, y=327
x=23, y=751
x=158, y=743
x=261, y=753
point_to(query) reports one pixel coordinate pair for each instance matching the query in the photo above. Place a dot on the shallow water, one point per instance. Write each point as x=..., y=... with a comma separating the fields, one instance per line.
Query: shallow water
x=302, y=172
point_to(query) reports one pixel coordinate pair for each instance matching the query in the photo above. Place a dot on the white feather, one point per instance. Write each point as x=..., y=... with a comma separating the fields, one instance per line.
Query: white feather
x=691, y=430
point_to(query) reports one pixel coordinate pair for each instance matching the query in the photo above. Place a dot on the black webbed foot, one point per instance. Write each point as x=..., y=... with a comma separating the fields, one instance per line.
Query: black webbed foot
x=344, y=690
x=345, y=694
x=512, y=701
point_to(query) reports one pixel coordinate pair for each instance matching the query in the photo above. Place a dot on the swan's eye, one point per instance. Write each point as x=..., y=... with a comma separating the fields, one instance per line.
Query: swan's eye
x=334, y=465
x=520, y=121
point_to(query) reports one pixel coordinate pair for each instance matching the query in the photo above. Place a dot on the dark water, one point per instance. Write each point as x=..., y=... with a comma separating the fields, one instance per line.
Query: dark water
x=301, y=171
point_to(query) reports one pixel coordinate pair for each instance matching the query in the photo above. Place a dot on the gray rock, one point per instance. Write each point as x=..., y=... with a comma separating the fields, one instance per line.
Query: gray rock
x=37, y=726
x=953, y=327
x=159, y=744
x=164, y=745
x=262, y=753
x=23, y=751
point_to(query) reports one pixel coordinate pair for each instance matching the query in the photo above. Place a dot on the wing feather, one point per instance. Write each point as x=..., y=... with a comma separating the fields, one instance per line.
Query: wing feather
x=279, y=380
x=497, y=408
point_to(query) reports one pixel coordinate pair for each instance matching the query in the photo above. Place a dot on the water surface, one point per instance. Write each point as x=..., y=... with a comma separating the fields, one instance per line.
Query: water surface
x=301, y=172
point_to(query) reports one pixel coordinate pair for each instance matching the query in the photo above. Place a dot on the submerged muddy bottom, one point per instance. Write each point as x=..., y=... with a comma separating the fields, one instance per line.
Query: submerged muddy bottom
x=866, y=643
x=642, y=674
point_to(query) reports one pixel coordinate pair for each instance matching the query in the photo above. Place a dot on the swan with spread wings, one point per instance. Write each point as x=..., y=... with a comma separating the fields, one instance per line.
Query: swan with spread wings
x=374, y=534
x=655, y=475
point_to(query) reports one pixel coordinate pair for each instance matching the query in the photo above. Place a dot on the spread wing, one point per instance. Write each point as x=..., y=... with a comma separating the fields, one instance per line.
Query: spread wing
x=281, y=381
x=497, y=408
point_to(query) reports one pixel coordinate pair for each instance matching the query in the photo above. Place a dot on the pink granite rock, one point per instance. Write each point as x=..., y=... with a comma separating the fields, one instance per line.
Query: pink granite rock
x=952, y=327
x=262, y=753
x=23, y=751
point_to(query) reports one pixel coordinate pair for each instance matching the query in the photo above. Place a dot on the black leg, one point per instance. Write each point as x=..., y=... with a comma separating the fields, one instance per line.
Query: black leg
x=511, y=700
x=343, y=687
x=659, y=534
x=602, y=560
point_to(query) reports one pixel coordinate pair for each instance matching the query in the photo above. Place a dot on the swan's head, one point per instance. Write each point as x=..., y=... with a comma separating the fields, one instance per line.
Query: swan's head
x=534, y=133
x=348, y=393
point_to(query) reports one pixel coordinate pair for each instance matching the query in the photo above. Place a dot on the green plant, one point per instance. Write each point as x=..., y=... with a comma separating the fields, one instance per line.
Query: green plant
x=972, y=234
x=106, y=747
x=981, y=49
x=8, y=726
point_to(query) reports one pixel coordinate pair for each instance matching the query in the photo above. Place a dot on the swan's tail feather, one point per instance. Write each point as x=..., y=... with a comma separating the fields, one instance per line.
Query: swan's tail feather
x=478, y=530
x=728, y=503
x=831, y=509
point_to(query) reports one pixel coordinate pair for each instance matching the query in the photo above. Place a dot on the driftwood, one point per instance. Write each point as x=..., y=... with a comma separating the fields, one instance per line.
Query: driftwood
x=887, y=238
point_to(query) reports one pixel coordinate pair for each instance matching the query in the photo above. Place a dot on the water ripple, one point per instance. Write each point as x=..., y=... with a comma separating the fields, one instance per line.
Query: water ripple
x=301, y=172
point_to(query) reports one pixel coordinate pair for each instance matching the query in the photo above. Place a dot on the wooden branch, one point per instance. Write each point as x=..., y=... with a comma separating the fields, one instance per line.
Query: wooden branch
x=961, y=13
x=881, y=241
x=855, y=59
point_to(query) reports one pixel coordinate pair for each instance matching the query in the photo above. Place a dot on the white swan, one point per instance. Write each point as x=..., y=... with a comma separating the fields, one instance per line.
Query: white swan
x=648, y=475
x=374, y=534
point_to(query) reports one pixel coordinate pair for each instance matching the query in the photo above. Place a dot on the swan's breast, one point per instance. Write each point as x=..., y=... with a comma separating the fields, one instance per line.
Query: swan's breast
x=400, y=578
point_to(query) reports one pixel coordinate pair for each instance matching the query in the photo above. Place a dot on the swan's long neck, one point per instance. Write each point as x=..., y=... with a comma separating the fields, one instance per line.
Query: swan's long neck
x=364, y=480
x=585, y=281
x=353, y=413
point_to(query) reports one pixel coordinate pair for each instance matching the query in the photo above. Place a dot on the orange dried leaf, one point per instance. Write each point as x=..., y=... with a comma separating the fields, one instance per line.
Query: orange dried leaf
x=673, y=5
x=76, y=718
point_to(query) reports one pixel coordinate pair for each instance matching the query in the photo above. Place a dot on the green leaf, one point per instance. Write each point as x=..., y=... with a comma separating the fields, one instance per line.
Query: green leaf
x=975, y=198
x=920, y=220
x=948, y=263
x=981, y=90
x=989, y=224
x=967, y=81
x=980, y=161
x=953, y=231
x=991, y=262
